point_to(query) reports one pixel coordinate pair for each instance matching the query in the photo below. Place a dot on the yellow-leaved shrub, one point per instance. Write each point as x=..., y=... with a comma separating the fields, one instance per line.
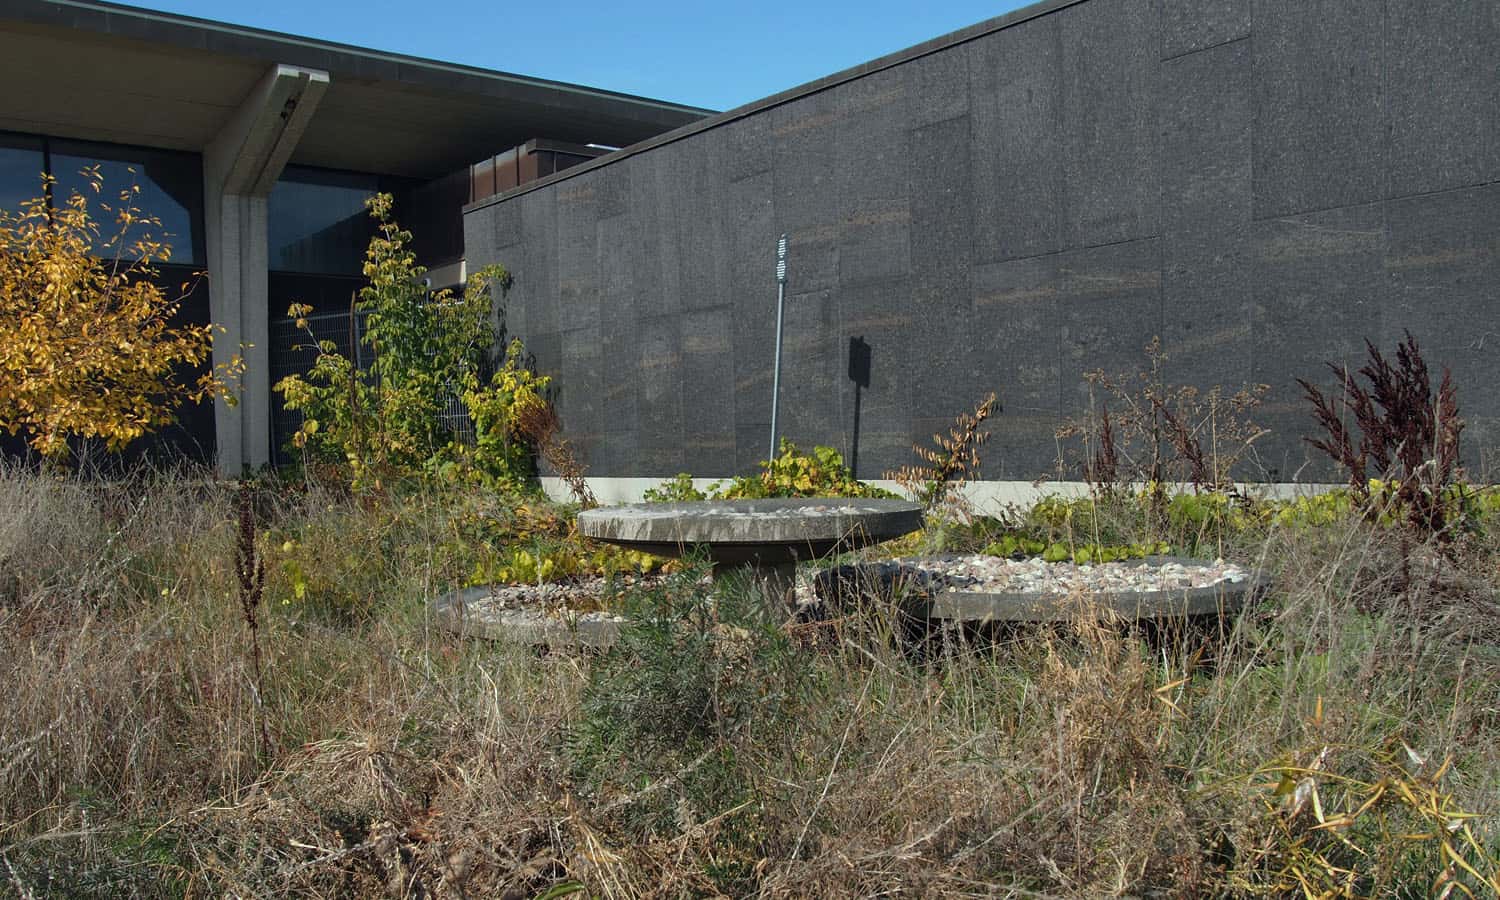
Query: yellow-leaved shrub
x=88, y=347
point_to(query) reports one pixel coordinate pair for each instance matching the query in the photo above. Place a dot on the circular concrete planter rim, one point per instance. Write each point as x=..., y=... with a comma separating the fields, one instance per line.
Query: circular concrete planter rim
x=523, y=626
x=600, y=631
x=1006, y=606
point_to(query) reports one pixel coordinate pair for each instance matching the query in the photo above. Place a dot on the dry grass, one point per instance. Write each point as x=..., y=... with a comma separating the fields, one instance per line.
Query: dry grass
x=1082, y=762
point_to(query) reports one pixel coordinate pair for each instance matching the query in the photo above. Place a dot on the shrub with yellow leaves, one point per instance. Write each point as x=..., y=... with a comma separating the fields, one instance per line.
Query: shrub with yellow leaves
x=88, y=347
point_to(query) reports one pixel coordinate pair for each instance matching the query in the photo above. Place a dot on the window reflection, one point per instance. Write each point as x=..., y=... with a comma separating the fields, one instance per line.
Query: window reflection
x=21, y=164
x=171, y=188
x=318, y=223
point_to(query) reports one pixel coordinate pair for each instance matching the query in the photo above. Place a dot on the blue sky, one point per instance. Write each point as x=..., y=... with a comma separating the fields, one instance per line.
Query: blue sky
x=717, y=55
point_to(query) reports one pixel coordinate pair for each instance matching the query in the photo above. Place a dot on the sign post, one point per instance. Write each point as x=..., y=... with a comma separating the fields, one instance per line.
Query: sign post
x=780, y=306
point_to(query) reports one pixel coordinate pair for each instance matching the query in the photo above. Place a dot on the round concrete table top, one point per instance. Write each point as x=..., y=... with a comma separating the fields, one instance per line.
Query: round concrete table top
x=766, y=533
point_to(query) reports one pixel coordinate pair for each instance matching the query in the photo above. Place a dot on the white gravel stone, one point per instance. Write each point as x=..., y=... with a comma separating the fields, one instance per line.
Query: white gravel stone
x=981, y=574
x=969, y=573
x=558, y=599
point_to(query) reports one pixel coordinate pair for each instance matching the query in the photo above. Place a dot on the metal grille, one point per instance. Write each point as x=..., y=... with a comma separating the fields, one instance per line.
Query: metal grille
x=293, y=352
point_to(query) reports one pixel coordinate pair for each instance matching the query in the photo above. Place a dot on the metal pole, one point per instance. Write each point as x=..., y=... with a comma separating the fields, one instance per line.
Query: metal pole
x=780, y=306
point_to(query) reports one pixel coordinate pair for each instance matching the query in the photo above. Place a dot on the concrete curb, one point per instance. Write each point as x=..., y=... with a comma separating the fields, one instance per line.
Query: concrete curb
x=592, y=631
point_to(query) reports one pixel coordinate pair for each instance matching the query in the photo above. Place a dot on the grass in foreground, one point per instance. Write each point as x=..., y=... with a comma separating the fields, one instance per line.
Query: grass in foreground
x=1336, y=742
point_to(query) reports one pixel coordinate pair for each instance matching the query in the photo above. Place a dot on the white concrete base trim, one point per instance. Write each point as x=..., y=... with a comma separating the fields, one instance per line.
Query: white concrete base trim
x=987, y=496
x=452, y=275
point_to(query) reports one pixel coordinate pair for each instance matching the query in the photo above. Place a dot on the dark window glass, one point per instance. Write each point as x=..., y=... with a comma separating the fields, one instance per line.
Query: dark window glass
x=21, y=164
x=433, y=213
x=318, y=223
x=171, y=189
x=293, y=352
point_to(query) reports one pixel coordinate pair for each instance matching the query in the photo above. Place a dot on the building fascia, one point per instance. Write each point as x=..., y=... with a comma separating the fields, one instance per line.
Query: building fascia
x=339, y=59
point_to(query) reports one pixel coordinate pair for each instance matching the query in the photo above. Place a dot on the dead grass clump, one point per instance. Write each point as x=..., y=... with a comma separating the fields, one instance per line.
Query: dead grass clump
x=893, y=788
x=1349, y=666
x=1119, y=817
x=129, y=691
x=51, y=533
x=921, y=820
x=449, y=786
x=1352, y=822
x=1038, y=770
x=103, y=669
x=540, y=426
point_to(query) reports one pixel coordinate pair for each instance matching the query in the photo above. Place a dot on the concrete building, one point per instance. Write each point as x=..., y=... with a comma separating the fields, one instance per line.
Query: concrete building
x=257, y=150
x=1262, y=184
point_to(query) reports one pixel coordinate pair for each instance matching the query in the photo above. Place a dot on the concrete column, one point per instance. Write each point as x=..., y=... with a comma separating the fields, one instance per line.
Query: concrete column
x=240, y=166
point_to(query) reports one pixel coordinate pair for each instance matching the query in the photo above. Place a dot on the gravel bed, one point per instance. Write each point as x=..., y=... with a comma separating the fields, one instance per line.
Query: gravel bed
x=559, y=599
x=968, y=573
x=979, y=574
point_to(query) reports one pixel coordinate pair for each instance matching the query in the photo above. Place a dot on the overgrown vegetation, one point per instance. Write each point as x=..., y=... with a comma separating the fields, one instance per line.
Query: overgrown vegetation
x=532, y=417
x=1342, y=741
x=944, y=467
x=1144, y=432
x=391, y=420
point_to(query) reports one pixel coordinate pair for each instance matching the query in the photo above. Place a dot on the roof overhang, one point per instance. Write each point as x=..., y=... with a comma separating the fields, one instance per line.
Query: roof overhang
x=102, y=71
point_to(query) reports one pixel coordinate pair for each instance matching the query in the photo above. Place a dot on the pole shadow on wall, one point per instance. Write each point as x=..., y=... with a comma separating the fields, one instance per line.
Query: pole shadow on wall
x=859, y=373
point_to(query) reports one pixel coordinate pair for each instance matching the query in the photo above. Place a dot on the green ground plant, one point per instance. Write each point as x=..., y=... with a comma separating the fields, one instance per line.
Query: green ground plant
x=698, y=686
x=677, y=489
x=792, y=473
x=1206, y=524
x=507, y=539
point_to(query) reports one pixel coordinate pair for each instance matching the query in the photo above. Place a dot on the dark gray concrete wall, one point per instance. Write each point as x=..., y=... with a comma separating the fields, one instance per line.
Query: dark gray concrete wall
x=1264, y=185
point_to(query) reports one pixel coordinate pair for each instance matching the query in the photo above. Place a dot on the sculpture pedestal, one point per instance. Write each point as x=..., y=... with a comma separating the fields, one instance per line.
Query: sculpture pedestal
x=763, y=539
